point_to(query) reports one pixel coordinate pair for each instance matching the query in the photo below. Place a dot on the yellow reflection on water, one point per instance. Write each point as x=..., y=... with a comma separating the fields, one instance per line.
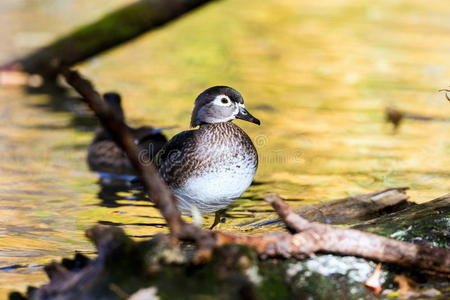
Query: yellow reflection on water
x=317, y=73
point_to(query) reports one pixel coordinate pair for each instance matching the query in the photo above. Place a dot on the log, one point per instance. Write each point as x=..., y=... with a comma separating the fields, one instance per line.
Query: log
x=351, y=209
x=425, y=223
x=357, y=208
x=111, y=30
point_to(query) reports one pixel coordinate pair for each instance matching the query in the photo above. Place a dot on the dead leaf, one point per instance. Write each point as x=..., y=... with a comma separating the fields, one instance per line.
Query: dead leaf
x=373, y=282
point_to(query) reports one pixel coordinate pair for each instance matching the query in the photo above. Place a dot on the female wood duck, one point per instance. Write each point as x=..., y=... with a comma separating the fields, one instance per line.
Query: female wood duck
x=104, y=156
x=213, y=165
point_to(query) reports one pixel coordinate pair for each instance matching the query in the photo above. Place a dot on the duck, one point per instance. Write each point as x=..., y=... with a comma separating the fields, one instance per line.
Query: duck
x=107, y=158
x=210, y=166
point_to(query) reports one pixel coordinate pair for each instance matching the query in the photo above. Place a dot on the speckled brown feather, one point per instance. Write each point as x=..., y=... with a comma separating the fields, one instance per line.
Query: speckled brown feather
x=211, y=147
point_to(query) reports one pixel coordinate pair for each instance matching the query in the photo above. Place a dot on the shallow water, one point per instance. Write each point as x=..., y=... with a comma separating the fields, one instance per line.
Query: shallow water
x=318, y=75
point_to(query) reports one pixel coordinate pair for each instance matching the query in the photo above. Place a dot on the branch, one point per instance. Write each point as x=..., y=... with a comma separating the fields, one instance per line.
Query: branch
x=345, y=241
x=446, y=91
x=157, y=190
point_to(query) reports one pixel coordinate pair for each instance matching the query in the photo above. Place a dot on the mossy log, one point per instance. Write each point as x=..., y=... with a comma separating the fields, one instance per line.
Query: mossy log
x=111, y=30
x=158, y=268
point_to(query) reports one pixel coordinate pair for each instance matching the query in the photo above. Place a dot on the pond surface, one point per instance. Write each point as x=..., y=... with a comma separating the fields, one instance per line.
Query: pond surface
x=317, y=73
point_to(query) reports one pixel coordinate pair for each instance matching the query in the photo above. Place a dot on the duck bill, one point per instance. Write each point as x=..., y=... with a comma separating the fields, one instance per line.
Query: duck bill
x=246, y=116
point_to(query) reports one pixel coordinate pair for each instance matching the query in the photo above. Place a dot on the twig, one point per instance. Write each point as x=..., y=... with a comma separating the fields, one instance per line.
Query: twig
x=446, y=91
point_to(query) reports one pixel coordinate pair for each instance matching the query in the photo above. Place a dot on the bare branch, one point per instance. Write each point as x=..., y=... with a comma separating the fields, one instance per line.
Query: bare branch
x=446, y=93
x=326, y=238
x=154, y=185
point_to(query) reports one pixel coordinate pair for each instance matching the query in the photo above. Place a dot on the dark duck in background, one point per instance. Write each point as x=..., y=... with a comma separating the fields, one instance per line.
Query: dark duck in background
x=108, y=159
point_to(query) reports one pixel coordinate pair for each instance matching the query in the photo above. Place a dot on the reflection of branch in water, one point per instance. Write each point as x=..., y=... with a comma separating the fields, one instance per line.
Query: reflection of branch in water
x=396, y=116
x=311, y=237
x=446, y=91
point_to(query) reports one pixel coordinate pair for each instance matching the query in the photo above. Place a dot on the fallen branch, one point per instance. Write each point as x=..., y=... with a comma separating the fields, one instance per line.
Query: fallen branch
x=312, y=237
x=343, y=241
x=111, y=30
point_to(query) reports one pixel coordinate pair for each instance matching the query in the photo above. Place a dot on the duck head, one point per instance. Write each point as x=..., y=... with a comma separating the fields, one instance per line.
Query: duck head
x=115, y=103
x=220, y=104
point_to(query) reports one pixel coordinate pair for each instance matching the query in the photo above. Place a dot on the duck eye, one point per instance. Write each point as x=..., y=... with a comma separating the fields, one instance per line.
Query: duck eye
x=224, y=100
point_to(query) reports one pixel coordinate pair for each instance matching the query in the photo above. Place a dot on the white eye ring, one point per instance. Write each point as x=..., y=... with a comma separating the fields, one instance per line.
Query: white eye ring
x=222, y=100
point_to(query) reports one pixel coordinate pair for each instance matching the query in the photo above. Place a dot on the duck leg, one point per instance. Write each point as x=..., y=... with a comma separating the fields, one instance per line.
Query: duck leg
x=219, y=215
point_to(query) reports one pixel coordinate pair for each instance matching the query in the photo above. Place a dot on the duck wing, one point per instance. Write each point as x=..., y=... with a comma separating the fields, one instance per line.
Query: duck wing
x=175, y=158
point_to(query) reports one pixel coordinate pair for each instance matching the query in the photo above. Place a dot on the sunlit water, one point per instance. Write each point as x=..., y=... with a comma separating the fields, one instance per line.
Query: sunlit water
x=317, y=73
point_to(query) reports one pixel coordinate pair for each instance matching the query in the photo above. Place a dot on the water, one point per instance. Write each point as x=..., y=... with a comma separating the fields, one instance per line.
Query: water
x=317, y=74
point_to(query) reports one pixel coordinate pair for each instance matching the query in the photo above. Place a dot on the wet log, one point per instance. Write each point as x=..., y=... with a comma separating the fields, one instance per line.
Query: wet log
x=424, y=224
x=111, y=30
x=357, y=208
x=352, y=209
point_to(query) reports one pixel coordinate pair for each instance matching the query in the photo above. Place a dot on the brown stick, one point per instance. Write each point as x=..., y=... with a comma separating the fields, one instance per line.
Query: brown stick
x=312, y=237
x=345, y=241
x=153, y=183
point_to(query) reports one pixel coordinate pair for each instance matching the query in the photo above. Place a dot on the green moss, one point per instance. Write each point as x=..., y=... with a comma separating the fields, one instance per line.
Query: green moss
x=428, y=222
